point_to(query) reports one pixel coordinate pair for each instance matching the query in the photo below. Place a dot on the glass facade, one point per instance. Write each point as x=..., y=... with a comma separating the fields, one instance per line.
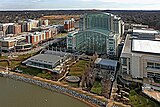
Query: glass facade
x=98, y=33
x=153, y=65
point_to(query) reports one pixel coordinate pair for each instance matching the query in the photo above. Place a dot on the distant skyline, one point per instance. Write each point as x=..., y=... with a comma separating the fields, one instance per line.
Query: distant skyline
x=79, y=4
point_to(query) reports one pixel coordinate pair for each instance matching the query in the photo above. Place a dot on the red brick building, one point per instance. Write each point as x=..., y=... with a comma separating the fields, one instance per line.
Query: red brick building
x=36, y=37
x=69, y=25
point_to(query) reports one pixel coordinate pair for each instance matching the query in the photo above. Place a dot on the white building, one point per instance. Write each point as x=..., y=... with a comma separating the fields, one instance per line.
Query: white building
x=145, y=33
x=50, y=60
x=141, y=58
x=8, y=43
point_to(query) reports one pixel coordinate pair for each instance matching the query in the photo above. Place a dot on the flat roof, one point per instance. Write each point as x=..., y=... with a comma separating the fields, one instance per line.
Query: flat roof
x=145, y=31
x=106, y=62
x=45, y=58
x=146, y=46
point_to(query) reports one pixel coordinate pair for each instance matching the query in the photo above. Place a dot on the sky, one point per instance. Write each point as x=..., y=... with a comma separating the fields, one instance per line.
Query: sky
x=79, y=4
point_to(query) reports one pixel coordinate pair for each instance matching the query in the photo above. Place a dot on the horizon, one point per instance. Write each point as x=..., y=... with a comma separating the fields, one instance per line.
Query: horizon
x=72, y=9
x=79, y=5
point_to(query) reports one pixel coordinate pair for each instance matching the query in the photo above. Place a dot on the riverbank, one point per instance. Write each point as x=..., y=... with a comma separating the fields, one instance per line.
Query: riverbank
x=88, y=98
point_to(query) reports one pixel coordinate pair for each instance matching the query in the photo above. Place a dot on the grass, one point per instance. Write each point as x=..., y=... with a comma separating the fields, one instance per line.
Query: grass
x=4, y=64
x=46, y=75
x=60, y=35
x=16, y=62
x=137, y=100
x=13, y=64
x=78, y=68
x=30, y=70
x=97, y=88
x=3, y=57
x=56, y=21
x=75, y=85
x=23, y=57
x=35, y=72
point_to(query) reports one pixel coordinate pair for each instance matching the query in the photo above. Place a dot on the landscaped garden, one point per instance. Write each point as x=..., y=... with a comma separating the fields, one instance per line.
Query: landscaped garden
x=97, y=88
x=35, y=72
x=15, y=61
x=136, y=100
x=78, y=68
x=60, y=35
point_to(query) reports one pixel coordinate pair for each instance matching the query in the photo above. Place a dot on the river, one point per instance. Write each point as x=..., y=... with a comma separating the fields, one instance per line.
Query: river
x=19, y=94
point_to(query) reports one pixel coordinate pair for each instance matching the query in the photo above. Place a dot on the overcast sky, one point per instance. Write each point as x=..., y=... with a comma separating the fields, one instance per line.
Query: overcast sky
x=80, y=4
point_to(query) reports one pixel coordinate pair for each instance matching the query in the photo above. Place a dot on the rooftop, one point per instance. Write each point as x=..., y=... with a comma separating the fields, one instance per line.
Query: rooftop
x=145, y=31
x=135, y=47
x=72, y=34
x=146, y=46
x=106, y=62
x=46, y=58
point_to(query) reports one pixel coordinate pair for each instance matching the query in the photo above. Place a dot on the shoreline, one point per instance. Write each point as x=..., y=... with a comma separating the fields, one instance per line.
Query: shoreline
x=85, y=97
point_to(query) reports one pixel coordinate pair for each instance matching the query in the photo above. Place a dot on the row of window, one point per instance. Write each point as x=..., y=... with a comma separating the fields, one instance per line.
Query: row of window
x=41, y=65
x=153, y=75
x=105, y=67
x=153, y=65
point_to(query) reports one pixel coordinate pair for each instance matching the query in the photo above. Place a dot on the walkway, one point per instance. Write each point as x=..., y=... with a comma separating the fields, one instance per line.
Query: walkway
x=152, y=94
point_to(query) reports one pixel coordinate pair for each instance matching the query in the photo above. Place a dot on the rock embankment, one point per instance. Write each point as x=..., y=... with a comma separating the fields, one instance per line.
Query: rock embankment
x=55, y=87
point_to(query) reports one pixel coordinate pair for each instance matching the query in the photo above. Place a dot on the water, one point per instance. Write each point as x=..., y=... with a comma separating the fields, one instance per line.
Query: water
x=19, y=94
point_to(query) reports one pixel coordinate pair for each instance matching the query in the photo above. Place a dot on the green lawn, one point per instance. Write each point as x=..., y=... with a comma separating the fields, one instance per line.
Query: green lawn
x=4, y=64
x=97, y=87
x=75, y=85
x=35, y=72
x=60, y=35
x=137, y=100
x=3, y=57
x=78, y=68
x=16, y=62
x=23, y=57
x=44, y=74
x=30, y=70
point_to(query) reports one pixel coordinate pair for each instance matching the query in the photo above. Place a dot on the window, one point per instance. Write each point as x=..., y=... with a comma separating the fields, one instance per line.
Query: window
x=150, y=65
x=124, y=61
x=124, y=71
x=111, y=43
x=157, y=66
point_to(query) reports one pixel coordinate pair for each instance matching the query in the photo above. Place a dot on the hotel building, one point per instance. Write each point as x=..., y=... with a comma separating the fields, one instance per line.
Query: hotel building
x=99, y=32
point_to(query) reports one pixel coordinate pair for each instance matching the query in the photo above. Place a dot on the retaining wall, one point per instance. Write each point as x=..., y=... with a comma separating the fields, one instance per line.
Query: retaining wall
x=56, y=87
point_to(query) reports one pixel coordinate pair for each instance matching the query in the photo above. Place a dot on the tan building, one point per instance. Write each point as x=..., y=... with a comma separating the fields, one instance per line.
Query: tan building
x=140, y=58
x=7, y=44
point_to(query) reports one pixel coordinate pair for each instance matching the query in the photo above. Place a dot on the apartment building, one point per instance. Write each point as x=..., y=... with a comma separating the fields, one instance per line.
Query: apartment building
x=69, y=25
x=36, y=37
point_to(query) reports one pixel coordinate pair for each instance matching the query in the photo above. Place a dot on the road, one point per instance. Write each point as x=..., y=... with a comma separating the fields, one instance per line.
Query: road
x=38, y=48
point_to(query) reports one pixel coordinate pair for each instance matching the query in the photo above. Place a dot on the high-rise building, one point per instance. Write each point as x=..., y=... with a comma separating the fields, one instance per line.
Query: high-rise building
x=99, y=32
